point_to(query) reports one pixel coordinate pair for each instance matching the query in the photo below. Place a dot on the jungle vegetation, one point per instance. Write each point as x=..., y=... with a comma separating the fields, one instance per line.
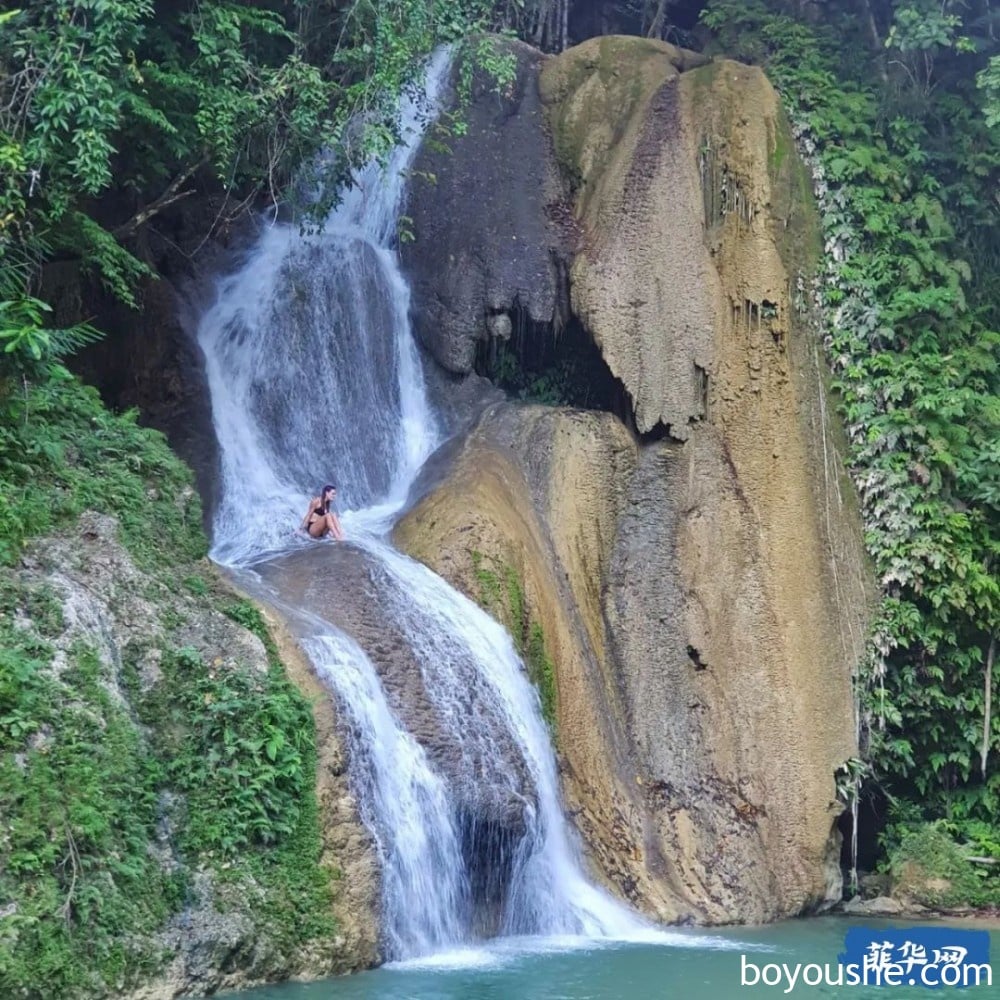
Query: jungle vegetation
x=113, y=112
x=899, y=103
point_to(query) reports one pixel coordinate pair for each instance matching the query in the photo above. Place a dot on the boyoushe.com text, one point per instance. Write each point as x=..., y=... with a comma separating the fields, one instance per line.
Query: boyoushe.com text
x=789, y=976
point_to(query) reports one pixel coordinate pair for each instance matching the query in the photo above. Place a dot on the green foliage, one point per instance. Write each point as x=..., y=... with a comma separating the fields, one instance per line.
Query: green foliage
x=928, y=866
x=62, y=452
x=494, y=60
x=22, y=330
x=196, y=584
x=25, y=336
x=502, y=595
x=905, y=167
x=101, y=255
x=542, y=671
x=235, y=744
x=247, y=614
x=83, y=795
x=240, y=748
x=988, y=80
x=563, y=381
x=295, y=906
x=78, y=797
x=112, y=110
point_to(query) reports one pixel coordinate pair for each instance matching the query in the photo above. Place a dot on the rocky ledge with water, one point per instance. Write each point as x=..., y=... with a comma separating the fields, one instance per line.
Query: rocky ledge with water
x=450, y=758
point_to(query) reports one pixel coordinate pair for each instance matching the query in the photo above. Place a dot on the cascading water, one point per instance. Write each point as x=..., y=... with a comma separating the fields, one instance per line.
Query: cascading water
x=404, y=803
x=314, y=376
x=312, y=370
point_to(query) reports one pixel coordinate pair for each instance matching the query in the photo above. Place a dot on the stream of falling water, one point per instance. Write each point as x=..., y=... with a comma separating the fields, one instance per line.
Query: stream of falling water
x=314, y=376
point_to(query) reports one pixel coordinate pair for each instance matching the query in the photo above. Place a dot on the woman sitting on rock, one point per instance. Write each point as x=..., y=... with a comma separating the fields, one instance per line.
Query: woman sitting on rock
x=320, y=519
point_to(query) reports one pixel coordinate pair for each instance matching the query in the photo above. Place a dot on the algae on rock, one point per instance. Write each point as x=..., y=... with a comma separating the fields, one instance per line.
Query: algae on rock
x=502, y=594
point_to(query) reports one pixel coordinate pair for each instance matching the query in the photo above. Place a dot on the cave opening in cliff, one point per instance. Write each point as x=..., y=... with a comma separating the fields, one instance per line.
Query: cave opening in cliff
x=543, y=363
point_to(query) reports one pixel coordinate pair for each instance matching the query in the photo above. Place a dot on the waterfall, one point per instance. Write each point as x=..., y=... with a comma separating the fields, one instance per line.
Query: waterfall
x=313, y=373
x=314, y=377
x=405, y=805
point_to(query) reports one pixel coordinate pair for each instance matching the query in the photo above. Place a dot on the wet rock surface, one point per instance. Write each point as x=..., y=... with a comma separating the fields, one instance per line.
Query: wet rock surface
x=466, y=278
x=350, y=588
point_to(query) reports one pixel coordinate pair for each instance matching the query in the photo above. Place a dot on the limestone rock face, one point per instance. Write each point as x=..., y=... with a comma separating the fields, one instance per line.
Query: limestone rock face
x=702, y=588
x=466, y=276
x=642, y=282
x=702, y=683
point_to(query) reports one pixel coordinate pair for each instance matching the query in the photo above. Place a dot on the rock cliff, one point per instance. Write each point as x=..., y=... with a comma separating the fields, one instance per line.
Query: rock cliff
x=698, y=576
x=511, y=257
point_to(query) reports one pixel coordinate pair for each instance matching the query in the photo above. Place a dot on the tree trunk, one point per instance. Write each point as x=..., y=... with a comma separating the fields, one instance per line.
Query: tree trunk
x=659, y=20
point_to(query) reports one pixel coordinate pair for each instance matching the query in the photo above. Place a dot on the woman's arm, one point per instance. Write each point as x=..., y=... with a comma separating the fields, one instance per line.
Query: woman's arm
x=338, y=532
x=313, y=504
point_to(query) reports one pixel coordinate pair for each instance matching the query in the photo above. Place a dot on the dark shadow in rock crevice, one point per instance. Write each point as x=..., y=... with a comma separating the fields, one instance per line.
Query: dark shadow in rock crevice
x=560, y=365
x=540, y=363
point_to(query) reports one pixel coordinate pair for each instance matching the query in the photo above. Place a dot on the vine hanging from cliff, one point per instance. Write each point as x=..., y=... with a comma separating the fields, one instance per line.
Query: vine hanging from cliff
x=905, y=164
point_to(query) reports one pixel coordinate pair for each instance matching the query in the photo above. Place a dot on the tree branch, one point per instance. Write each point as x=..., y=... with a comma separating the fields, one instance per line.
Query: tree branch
x=169, y=197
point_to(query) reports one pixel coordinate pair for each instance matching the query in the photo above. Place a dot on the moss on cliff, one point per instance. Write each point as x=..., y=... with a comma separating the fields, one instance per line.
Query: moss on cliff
x=157, y=767
x=80, y=892
x=616, y=77
x=501, y=593
x=62, y=452
x=798, y=233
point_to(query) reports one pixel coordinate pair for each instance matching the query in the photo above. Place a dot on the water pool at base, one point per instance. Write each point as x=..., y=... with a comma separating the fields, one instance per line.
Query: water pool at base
x=690, y=965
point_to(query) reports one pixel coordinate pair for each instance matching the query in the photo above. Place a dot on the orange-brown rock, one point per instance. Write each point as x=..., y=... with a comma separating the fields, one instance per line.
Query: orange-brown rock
x=700, y=578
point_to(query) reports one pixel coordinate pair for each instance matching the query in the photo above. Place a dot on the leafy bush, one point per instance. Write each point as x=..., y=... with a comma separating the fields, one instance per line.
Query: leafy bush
x=237, y=746
x=62, y=452
x=78, y=797
x=930, y=868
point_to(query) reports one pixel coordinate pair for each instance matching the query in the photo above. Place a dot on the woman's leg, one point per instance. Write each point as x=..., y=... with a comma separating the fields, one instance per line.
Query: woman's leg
x=333, y=526
x=318, y=527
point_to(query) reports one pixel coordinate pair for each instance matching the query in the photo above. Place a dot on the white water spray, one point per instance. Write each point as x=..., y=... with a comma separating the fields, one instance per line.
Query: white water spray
x=406, y=806
x=313, y=372
x=314, y=377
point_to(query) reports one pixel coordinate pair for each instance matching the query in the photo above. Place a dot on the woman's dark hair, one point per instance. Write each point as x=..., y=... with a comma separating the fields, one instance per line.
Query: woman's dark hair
x=326, y=489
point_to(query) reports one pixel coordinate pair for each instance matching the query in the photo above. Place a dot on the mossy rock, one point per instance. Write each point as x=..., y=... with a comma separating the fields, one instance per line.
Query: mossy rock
x=597, y=93
x=501, y=593
x=929, y=868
